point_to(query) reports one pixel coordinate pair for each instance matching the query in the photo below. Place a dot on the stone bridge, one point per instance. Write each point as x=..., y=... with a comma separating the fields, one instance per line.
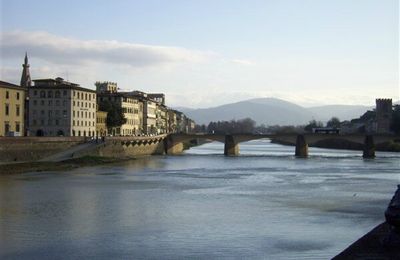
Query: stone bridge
x=174, y=142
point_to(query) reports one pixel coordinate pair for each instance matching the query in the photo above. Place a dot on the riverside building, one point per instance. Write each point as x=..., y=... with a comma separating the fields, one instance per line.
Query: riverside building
x=131, y=105
x=61, y=108
x=12, y=100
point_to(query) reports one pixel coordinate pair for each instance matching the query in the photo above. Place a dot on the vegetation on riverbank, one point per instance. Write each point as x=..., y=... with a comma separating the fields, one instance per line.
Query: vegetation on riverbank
x=16, y=168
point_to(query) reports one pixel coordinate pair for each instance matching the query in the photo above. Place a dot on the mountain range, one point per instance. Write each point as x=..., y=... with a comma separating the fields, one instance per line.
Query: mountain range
x=273, y=111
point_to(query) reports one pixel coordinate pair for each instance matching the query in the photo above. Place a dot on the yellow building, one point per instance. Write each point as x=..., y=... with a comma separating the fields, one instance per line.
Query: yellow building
x=101, y=123
x=12, y=107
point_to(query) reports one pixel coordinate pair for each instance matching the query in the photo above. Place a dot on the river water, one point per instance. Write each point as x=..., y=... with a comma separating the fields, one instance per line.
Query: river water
x=263, y=204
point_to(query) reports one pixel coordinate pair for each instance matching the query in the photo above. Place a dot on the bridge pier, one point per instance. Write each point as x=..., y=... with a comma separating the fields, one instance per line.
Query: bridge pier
x=301, y=146
x=172, y=147
x=231, y=147
x=369, y=147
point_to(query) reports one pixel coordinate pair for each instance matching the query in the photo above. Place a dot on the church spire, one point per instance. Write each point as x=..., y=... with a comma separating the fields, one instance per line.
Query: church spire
x=26, y=76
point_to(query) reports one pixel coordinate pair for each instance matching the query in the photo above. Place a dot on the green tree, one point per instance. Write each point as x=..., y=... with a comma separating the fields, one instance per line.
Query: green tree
x=333, y=122
x=395, y=124
x=115, y=114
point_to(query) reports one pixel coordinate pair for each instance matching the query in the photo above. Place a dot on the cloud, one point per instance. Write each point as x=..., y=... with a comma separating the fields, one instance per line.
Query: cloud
x=243, y=62
x=62, y=50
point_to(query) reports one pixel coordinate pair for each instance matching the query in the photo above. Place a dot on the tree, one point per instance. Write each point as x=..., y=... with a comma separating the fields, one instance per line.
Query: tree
x=333, y=122
x=313, y=124
x=115, y=114
x=395, y=124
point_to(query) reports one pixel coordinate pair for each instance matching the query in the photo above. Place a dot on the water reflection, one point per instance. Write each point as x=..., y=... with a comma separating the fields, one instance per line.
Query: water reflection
x=262, y=204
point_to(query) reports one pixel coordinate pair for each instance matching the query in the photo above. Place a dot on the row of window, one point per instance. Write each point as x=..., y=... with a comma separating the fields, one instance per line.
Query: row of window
x=8, y=128
x=8, y=112
x=50, y=102
x=82, y=104
x=50, y=113
x=85, y=96
x=57, y=122
x=101, y=120
x=57, y=93
x=82, y=123
x=84, y=114
x=132, y=121
x=17, y=95
x=130, y=110
x=49, y=122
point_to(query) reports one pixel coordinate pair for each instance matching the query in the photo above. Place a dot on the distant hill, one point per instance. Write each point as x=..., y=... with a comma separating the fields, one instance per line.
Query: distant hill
x=343, y=112
x=273, y=111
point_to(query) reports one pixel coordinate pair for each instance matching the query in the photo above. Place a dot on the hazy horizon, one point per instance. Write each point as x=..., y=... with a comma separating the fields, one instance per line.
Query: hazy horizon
x=209, y=53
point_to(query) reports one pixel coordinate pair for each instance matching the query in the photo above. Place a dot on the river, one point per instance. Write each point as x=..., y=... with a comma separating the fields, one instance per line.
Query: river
x=263, y=204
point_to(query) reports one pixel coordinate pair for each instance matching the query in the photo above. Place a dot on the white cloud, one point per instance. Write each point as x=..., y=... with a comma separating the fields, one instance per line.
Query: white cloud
x=243, y=62
x=61, y=50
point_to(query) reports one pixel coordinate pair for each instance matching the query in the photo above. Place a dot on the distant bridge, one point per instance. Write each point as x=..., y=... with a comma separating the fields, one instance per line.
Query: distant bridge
x=174, y=142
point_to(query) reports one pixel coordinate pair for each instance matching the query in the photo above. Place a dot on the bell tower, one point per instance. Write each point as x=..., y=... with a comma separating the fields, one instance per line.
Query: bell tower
x=26, y=76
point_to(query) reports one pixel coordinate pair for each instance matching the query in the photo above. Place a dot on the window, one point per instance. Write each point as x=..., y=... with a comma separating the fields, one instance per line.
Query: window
x=64, y=93
x=57, y=112
x=35, y=102
x=35, y=93
x=74, y=103
x=50, y=113
x=17, y=127
x=42, y=112
x=50, y=102
x=7, y=109
x=64, y=113
x=7, y=127
x=17, y=111
x=18, y=98
x=73, y=113
x=57, y=95
x=42, y=102
x=57, y=122
x=57, y=102
x=7, y=95
x=78, y=96
x=42, y=94
x=64, y=103
x=73, y=122
x=49, y=94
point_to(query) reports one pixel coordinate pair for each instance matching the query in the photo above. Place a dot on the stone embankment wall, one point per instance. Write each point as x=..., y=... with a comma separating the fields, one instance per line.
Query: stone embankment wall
x=34, y=148
x=128, y=149
x=22, y=149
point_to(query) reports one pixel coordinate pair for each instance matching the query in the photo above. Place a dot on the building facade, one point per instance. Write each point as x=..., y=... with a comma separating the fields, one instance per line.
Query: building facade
x=131, y=105
x=101, y=123
x=12, y=100
x=61, y=108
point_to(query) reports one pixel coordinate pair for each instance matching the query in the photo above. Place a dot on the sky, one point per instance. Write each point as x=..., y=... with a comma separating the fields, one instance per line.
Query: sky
x=204, y=53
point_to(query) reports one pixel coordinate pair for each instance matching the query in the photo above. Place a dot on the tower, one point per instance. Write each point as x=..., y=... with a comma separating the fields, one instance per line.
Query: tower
x=383, y=115
x=26, y=76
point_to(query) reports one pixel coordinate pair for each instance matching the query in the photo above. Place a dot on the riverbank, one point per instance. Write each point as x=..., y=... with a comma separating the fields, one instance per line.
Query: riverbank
x=23, y=167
